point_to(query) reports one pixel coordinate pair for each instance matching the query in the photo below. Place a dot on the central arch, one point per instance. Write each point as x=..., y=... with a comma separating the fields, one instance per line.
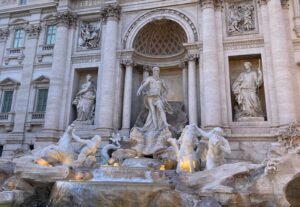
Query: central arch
x=183, y=20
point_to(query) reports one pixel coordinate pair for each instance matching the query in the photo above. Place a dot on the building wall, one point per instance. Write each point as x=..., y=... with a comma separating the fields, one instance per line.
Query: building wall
x=36, y=65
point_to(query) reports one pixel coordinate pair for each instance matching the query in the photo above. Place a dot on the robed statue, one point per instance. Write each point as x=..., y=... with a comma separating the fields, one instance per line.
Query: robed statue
x=85, y=100
x=245, y=88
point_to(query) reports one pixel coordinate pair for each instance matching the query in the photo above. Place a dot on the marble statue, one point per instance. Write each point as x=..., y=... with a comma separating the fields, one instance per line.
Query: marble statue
x=85, y=100
x=187, y=160
x=87, y=154
x=61, y=153
x=155, y=98
x=245, y=88
x=217, y=147
x=89, y=36
x=113, y=146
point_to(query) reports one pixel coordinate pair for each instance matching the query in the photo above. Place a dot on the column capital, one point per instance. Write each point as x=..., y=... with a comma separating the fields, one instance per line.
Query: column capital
x=33, y=30
x=4, y=32
x=284, y=3
x=65, y=18
x=192, y=56
x=112, y=11
x=210, y=3
x=127, y=62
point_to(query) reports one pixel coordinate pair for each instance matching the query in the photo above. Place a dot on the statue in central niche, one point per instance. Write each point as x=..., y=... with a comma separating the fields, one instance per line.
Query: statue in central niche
x=152, y=136
x=155, y=99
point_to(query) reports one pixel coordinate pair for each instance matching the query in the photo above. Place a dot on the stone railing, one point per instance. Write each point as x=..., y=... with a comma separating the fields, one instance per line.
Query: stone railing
x=7, y=120
x=36, y=116
x=48, y=47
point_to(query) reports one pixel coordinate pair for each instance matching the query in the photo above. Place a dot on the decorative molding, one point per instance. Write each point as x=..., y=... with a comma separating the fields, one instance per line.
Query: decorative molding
x=192, y=56
x=112, y=11
x=33, y=30
x=243, y=44
x=162, y=12
x=66, y=18
x=86, y=59
x=9, y=83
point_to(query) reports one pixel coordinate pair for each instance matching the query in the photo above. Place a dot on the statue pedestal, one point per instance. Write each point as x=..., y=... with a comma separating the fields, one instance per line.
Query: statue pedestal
x=150, y=141
x=250, y=119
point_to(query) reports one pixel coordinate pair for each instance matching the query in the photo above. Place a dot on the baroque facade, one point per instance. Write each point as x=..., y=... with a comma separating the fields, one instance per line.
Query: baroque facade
x=60, y=60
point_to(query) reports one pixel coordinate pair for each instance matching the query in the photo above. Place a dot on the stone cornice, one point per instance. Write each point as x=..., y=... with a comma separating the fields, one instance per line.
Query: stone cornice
x=112, y=11
x=66, y=18
x=33, y=30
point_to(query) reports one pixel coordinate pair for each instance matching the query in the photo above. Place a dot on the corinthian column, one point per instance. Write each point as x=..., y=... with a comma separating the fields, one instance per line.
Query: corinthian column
x=106, y=79
x=65, y=19
x=211, y=92
x=192, y=89
x=21, y=107
x=127, y=95
x=281, y=63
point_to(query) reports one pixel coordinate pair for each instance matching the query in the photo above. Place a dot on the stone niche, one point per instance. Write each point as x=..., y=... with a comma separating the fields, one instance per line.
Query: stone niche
x=236, y=66
x=173, y=79
x=79, y=79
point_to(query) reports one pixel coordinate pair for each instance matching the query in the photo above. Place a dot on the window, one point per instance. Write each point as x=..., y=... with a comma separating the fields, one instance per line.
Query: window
x=41, y=102
x=7, y=101
x=50, y=39
x=1, y=150
x=23, y=2
x=19, y=37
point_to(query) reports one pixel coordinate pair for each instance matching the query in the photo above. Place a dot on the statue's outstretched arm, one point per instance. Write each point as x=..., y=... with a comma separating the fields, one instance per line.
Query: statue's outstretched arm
x=141, y=88
x=78, y=139
x=203, y=133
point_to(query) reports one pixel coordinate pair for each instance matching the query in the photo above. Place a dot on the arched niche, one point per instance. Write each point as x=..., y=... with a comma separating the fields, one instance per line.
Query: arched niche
x=159, y=43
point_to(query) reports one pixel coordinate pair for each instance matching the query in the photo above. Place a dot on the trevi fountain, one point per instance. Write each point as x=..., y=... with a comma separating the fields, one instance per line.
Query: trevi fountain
x=149, y=103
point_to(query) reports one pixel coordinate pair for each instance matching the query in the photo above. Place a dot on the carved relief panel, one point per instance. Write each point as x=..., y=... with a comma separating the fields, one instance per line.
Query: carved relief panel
x=89, y=35
x=241, y=17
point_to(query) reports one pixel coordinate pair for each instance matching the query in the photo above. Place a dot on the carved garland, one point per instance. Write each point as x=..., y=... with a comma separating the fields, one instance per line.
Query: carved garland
x=4, y=32
x=160, y=11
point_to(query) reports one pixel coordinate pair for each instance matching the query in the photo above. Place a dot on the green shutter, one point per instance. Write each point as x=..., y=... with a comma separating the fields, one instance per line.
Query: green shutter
x=42, y=100
x=7, y=101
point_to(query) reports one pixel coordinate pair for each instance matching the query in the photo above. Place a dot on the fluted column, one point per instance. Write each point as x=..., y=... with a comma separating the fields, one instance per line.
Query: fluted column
x=192, y=89
x=3, y=39
x=127, y=95
x=21, y=107
x=281, y=63
x=54, y=104
x=106, y=85
x=211, y=92
x=185, y=81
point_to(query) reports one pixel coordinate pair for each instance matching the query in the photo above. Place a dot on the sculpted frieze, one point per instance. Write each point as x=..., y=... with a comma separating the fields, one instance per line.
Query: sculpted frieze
x=241, y=17
x=89, y=35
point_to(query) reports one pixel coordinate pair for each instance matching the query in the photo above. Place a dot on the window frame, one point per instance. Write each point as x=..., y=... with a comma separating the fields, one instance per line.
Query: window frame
x=53, y=35
x=20, y=39
x=36, y=102
x=3, y=99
